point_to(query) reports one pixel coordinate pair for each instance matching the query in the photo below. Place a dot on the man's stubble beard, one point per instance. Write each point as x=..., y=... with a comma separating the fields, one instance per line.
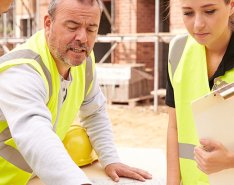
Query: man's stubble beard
x=61, y=57
x=58, y=56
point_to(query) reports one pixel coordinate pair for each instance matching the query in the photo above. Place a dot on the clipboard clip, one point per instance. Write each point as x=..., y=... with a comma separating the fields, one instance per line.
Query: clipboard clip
x=222, y=88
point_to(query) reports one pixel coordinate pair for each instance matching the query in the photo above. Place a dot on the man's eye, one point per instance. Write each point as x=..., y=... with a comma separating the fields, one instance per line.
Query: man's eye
x=92, y=29
x=72, y=28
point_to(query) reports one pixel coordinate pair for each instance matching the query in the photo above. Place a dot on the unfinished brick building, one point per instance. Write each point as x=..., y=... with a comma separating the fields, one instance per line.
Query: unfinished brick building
x=126, y=18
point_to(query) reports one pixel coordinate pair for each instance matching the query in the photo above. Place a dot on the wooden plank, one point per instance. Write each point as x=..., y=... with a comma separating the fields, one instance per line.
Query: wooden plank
x=146, y=100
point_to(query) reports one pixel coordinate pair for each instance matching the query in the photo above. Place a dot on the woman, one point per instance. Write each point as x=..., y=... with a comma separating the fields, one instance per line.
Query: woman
x=194, y=62
x=4, y=5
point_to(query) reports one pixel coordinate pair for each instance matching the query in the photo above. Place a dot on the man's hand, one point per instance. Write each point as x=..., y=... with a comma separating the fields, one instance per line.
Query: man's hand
x=116, y=170
x=212, y=156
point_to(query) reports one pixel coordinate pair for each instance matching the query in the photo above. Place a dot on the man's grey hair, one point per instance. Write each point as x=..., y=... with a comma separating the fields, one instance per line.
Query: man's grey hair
x=53, y=5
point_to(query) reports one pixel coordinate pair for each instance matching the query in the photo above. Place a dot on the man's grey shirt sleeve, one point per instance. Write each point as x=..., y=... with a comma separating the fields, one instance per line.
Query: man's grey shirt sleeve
x=93, y=116
x=23, y=105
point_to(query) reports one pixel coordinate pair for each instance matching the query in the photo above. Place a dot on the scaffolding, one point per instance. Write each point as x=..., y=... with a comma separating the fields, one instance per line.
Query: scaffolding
x=113, y=38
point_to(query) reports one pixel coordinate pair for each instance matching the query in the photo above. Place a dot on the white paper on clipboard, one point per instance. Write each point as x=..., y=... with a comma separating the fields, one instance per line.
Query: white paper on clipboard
x=214, y=119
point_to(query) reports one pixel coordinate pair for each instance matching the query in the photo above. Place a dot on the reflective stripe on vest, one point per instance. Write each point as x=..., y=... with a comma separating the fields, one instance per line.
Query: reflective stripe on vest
x=176, y=52
x=29, y=54
x=186, y=151
x=9, y=153
x=89, y=74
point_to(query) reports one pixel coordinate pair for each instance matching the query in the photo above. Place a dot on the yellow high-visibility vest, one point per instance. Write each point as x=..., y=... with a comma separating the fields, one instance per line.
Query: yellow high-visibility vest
x=188, y=75
x=35, y=52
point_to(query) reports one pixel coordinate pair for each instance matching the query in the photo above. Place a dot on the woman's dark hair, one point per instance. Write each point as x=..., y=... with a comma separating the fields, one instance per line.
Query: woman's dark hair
x=231, y=19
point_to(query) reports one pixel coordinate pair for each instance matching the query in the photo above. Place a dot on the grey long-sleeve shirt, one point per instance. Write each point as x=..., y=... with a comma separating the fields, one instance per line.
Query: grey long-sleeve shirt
x=23, y=104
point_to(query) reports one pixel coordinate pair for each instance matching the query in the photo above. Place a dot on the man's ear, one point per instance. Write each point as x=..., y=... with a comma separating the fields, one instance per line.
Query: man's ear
x=47, y=25
x=47, y=22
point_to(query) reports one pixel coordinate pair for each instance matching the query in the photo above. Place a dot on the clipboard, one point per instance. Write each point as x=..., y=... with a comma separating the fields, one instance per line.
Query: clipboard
x=214, y=118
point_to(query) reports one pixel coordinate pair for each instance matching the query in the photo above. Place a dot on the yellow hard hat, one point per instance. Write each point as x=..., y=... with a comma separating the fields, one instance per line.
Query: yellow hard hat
x=77, y=143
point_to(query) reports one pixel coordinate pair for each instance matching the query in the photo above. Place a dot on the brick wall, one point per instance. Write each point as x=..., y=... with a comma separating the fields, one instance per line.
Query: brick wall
x=145, y=24
x=125, y=22
x=134, y=16
x=176, y=22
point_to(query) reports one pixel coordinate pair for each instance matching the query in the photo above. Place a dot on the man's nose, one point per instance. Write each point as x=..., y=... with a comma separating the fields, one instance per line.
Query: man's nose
x=81, y=35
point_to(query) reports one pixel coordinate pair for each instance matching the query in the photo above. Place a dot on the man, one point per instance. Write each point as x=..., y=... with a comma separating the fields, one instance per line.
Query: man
x=4, y=5
x=44, y=84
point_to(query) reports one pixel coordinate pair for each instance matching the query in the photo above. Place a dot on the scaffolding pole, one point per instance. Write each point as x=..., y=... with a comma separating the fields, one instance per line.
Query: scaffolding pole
x=38, y=15
x=4, y=25
x=136, y=37
x=156, y=56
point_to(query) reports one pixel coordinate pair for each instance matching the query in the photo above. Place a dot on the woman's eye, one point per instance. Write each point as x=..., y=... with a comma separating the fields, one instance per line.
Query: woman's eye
x=210, y=12
x=188, y=13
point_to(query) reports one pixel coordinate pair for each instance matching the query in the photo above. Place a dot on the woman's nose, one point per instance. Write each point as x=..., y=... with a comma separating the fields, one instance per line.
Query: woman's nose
x=199, y=23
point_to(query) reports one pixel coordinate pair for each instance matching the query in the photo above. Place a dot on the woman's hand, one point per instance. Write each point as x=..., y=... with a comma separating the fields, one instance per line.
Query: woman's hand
x=212, y=156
